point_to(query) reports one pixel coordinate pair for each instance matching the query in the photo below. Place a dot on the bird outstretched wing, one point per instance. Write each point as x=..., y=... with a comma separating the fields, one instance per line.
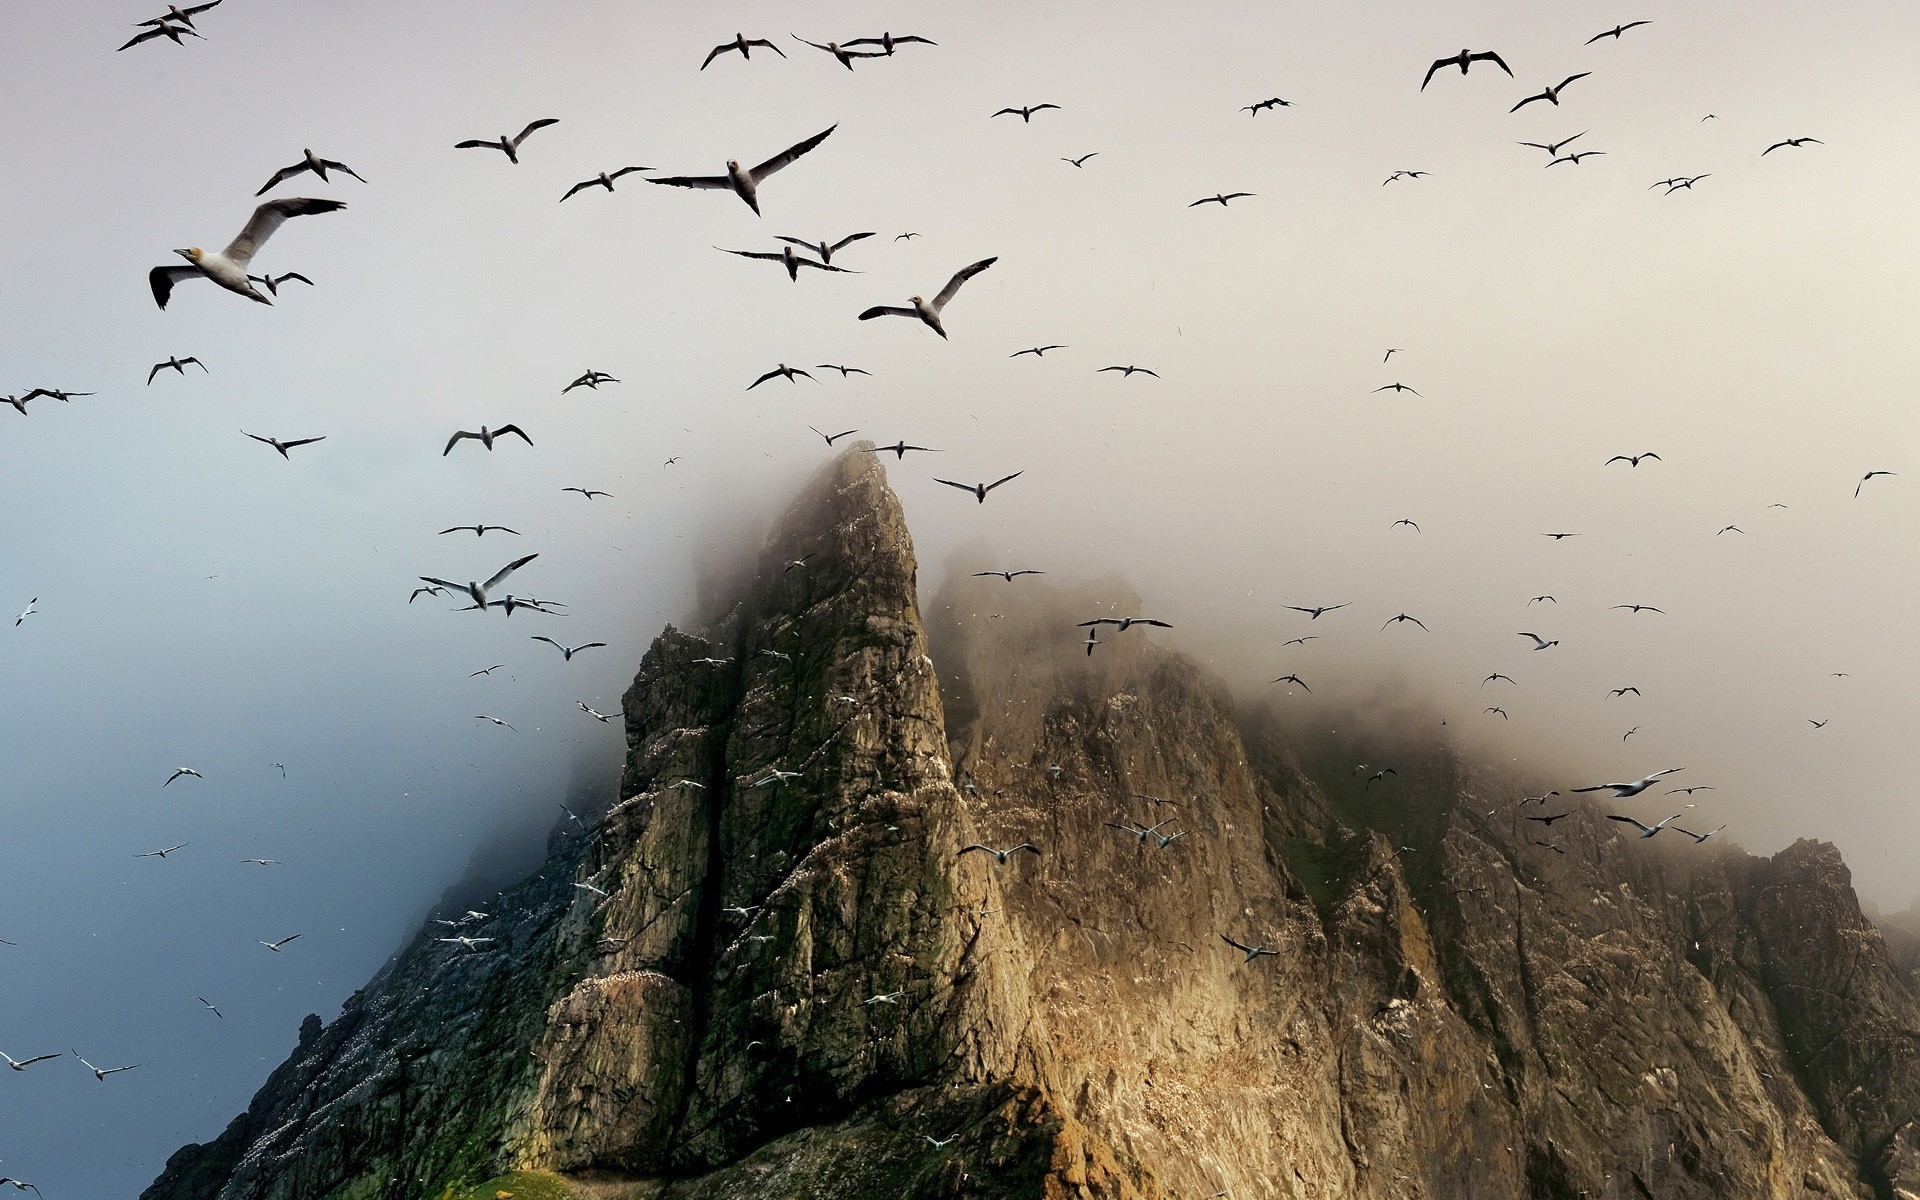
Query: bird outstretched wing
x=959, y=277
x=507, y=570
x=161, y=280
x=789, y=154
x=269, y=217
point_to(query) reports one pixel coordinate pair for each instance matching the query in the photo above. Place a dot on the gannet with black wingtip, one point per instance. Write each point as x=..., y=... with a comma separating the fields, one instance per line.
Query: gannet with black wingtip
x=1252, y=952
x=101, y=1073
x=309, y=161
x=823, y=248
x=1646, y=831
x=1622, y=790
x=568, y=651
x=1697, y=837
x=603, y=179
x=888, y=41
x=478, y=591
x=1464, y=60
x=486, y=437
x=788, y=259
x=21, y=1064
x=283, y=447
x=840, y=53
x=178, y=15
x=228, y=268
x=928, y=312
x=171, y=32
x=742, y=182
x=603, y=718
x=1000, y=856
x=980, y=490
x=509, y=146
x=744, y=45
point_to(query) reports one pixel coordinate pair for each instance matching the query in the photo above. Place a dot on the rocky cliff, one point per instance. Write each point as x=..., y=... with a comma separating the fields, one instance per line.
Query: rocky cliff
x=767, y=970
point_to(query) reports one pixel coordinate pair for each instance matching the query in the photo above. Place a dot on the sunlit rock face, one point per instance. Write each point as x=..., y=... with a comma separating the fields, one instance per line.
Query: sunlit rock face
x=769, y=971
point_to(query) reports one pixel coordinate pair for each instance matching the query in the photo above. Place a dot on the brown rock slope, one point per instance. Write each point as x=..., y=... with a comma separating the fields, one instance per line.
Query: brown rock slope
x=766, y=972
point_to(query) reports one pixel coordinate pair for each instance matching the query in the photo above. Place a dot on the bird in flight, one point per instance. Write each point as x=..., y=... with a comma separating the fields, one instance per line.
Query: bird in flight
x=840, y=53
x=164, y=30
x=928, y=312
x=742, y=182
x=567, y=651
x=1632, y=460
x=228, y=268
x=486, y=437
x=1576, y=157
x=509, y=146
x=887, y=41
x=1081, y=162
x=1622, y=790
x=1549, y=820
x=494, y=720
x=26, y=612
x=1497, y=675
x=487, y=671
x=1405, y=617
x=1122, y=624
x=309, y=161
x=1646, y=831
x=589, y=493
x=1036, y=351
x=823, y=248
x=1252, y=952
x=1465, y=60
x=1219, y=198
x=1501, y=711
x=1128, y=371
x=1674, y=185
x=180, y=16
x=465, y=943
x=1313, y=613
x=1559, y=536
x=1818, y=724
x=1639, y=608
x=744, y=45
x=603, y=179
x=1395, y=387
x=591, y=380
x=179, y=771
x=100, y=1073
x=480, y=530
x=272, y=282
x=899, y=450
x=1731, y=529
x=601, y=717
x=1553, y=148
x=262, y=862
x=780, y=371
x=1867, y=476
x=1539, y=643
x=1533, y=600
x=216, y=1012
x=163, y=853
x=1615, y=32
x=831, y=438
x=1550, y=93
x=1295, y=680
x=1000, y=856
x=1621, y=691
x=1406, y=521
x=1404, y=175
x=788, y=259
x=275, y=946
x=1794, y=142
x=478, y=591
x=21, y=1064
x=1009, y=576
x=1275, y=102
x=53, y=394
x=844, y=370
x=1697, y=837
x=281, y=446
x=177, y=363
x=980, y=490
x=1025, y=114
x=1698, y=787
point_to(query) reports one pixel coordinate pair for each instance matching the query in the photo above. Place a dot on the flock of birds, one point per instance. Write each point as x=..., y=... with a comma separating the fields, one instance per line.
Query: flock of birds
x=231, y=268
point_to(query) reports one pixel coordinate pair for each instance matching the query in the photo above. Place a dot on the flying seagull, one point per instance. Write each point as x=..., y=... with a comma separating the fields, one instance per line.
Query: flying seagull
x=1025, y=114
x=1794, y=142
x=1697, y=837
x=1539, y=643
x=744, y=183
x=209, y=1004
x=1576, y=157
x=1314, y=612
x=478, y=591
x=228, y=268
x=509, y=146
x=54, y=394
x=980, y=490
x=824, y=248
x=1615, y=32
x=1632, y=460
x=568, y=651
x=1219, y=198
x=840, y=53
x=1252, y=952
x=486, y=437
x=781, y=371
x=26, y=612
x=180, y=16
x=1122, y=624
x=603, y=179
x=1464, y=60
x=309, y=162
x=1502, y=712
x=102, y=1073
x=1406, y=521
x=1622, y=790
x=1497, y=675
x=831, y=438
x=788, y=259
x=929, y=312
x=1550, y=93
x=275, y=946
x=281, y=446
x=1275, y=102
x=488, y=671
x=1395, y=387
x=171, y=32
x=744, y=45
x=1646, y=831
x=1640, y=608
x=1001, y=856
x=1404, y=175
x=1867, y=476
x=1036, y=351
x=179, y=771
x=1128, y=372
x=1698, y=787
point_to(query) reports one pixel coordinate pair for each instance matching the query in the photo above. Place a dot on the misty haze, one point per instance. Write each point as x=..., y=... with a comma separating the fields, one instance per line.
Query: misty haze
x=967, y=601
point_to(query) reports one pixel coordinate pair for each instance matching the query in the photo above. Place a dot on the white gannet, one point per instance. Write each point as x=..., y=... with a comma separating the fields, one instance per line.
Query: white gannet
x=209, y=1004
x=179, y=771
x=494, y=720
x=228, y=268
x=283, y=447
x=509, y=146
x=980, y=490
x=591, y=380
x=744, y=183
x=823, y=248
x=176, y=362
x=478, y=591
x=788, y=259
x=486, y=437
x=1252, y=952
x=1122, y=624
x=53, y=394
x=178, y=15
x=840, y=53
x=603, y=179
x=888, y=41
x=164, y=30
x=601, y=717
x=1622, y=790
x=568, y=651
x=1000, y=856
x=26, y=612
x=101, y=1073
x=744, y=45
x=929, y=312
x=777, y=372
x=1646, y=831
x=1539, y=643
x=21, y=1064
x=309, y=161
x=163, y=853
x=1697, y=837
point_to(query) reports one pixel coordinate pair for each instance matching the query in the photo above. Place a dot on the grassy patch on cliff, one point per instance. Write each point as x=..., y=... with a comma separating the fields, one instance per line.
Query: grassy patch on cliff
x=521, y=1185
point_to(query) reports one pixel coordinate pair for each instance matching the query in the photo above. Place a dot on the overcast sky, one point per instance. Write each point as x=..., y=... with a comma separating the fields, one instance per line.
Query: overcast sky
x=204, y=603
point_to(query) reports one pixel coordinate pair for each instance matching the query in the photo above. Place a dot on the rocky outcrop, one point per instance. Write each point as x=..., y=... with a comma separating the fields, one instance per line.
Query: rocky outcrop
x=767, y=970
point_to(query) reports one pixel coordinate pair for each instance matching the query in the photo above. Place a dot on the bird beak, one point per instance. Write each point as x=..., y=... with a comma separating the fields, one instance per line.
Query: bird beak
x=186, y=254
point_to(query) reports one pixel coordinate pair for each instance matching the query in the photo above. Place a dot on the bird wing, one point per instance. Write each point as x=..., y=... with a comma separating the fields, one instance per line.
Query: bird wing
x=714, y=53
x=549, y=641
x=965, y=487
x=587, y=646
x=1529, y=100
x=820, y=266
x=1099, y=621
x=813, y=246
x=542, y=123
x=280, y=279
x=964, y=850
x=1236, y=945
x=27, y=1062
x=959, y=277
x=445, y=583
x=1024, y=846
x=1490, y=56
x=769, y=375
x=477, y=144
x=1629, y=820
x=330, y=165
x=1569, y=79
x=695, y=181
x=509, y=569
x=789, y=154
x=766, y=254
x=888, y=310
x=161, y=280
x=513, y=429
x=848, y=240
x=578, y=187
x=996, y=483
x=1164, y=625
x=284, y=173
x=269, y=217
x=302, y=441
x=455, y=439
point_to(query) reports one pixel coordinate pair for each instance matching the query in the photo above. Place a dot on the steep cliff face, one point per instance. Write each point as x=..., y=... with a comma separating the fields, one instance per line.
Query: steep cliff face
x=767, y=971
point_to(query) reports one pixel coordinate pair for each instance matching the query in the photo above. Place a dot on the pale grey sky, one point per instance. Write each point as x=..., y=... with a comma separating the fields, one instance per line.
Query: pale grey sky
x=205, y=603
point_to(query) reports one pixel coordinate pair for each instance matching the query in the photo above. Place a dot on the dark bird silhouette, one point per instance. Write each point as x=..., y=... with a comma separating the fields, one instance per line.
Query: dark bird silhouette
x=1408, y=521
x=1036, y=351
x=1081, y=162
x=509, y=146
x=788, y=259
x=180, y=365
x=1550, y=93
x=841, y=54
x=783, y=370
x=1615, y=32
x=309, y=161
x=567, y=651
x=844, y=370
x=480, y=530
x=1621, y=691
x=281, y=446
x=591, y=381
x=603, y=179
x=1465, y=60
x=1009, y=576
x=1252, y=952
x=980, y=490
x=831, y=438
x=1646, y=831
x=1553, y=148
x=272, y=282
x=486, y=437
x=1856, y=487
x=1275, y=102
x=823, y=248
x=1405, y=617
x=1001, y=856
x=1794, y=142
x=589, y=493
x=899, y=450
x=1395, y=387
x=928, y=312
x=1313, y=614
x=1127, y=371
x=1640, y=608
x=1501, y=711
x=1632, y=460
x=1575, y=158
x=1551, y=819
x=744, y=45
x=1295, y=680
x=1025, y=114
x=1497, y=675
x=1122, y=624
x=170, y=32
x=888, y=41
x=1219, y=198
x=742, y=182
x=1379, y=776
